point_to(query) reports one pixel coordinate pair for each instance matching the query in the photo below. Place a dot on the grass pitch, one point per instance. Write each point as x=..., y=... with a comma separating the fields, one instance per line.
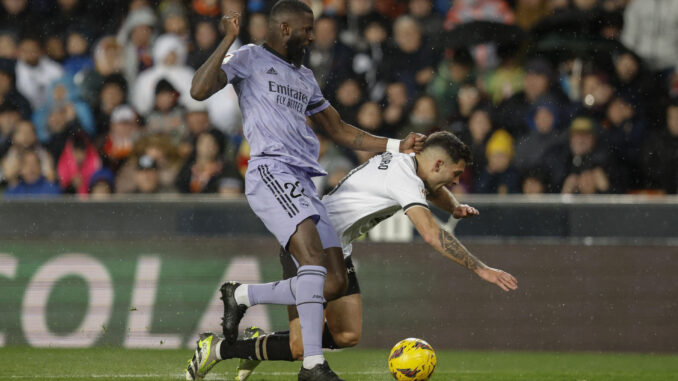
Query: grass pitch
x=115, y=364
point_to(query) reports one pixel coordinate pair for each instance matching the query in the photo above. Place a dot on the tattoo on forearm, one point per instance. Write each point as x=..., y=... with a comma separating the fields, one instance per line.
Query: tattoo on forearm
x=457, y=252
x=358, y=139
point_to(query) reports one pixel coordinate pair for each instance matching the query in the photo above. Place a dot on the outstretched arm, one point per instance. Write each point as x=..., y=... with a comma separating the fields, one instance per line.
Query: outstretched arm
x=447, y=245
x=352, y=137
x=210, y=78
x=445, y=200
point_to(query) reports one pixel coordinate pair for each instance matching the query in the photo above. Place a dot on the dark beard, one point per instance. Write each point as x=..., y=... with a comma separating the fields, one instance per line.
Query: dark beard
x=296, y=51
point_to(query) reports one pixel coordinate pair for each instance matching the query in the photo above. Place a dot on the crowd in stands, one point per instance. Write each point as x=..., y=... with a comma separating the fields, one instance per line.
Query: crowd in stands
x=553, y=96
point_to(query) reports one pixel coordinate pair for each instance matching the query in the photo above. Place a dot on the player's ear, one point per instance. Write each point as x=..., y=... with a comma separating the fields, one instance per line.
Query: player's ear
x=285, y=29
x=438, y=165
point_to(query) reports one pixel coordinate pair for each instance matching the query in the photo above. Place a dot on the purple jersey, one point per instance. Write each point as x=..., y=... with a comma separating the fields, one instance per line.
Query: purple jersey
x=275, y=98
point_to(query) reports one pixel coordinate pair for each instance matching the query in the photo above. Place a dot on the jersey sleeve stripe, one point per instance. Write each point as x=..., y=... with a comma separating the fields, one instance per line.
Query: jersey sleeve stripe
x=414, y=204
x=317, y=107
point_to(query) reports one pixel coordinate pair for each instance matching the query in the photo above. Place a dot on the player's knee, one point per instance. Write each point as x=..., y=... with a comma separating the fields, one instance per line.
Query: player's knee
x=336, y=284
x=347, y=339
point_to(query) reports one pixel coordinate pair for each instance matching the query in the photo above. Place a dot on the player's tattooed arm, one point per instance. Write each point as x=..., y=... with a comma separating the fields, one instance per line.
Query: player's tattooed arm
x=358, y=140
x=454, y=250
x=345, y=134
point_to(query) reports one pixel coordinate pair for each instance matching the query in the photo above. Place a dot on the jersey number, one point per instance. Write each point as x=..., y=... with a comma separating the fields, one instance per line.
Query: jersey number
x=293, y=192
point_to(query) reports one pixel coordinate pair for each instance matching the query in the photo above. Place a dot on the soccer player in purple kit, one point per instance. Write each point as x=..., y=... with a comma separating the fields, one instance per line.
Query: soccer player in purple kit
x=276, y=94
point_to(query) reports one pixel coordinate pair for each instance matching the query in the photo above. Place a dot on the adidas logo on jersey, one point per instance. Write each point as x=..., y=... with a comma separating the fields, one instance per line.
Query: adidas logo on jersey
x=272, y=71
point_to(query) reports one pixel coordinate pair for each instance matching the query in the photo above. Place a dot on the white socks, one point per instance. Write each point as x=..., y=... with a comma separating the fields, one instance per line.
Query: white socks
x=311, y=361
x=242, y=295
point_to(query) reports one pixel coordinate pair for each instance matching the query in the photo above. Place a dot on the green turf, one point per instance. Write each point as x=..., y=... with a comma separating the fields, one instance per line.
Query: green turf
x=117, y=364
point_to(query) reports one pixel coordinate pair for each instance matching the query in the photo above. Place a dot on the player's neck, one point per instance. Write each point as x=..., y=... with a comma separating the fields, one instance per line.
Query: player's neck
x=276, y=47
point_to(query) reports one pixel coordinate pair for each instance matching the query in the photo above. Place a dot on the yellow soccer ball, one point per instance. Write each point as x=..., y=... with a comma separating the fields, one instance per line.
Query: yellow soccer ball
x=412, y=359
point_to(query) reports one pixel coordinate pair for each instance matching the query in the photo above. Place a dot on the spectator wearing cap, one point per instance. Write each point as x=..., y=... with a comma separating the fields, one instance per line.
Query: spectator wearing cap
x=544, y=133
x=166, y=155
x=35, y=72
x=205, y=170
x=136, y=35
x=77, y=163
x=582, y=152
x=32, y=182
x=167, y=116
x=147, y=178
x=169, y=57
x=101, y=184
x=8, y=91
x=537, y=84
x=124, y=132
x=24, y=139
x=660, y=154
x=498, y=176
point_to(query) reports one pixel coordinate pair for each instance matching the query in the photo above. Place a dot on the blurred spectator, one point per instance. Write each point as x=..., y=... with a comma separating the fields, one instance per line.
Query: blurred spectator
x=147, y=177
x=498, y=176
x=174, y=20
x=431, y=22
x=450, y=75
x=68, y=14
x=136, y=36
x=35, y=72
x=508, y=78
x=655, y=41
x=329, y=59
x=347, y=100
x=624, y=130
x=369, y=57
x=8, y=91
x=197, y=122
x=257, y=27
x=113, y=94
x=77, y=163
x=207, y=171
x=23, y=140
x=102, y=184
x=206, y=39
x=8, y=45
x=54, y=48
x=468, y=99
x=542, y=136
x=370, y=119
x=9, y=118
x=534, y=181
x=333, y=162
x=423, y=119
x=537, y=84
x=529, y=12
x=16, y=16
x=108, y=60
x=123, y=133
x=660, y=154
x=475, y=132
x=164, y=153
x=32, y=182
x=169, y=55
x=205, y=8
x=581, y=153
x=63, y=111
x=77, y=49
x=411, y=60
x=359, y=13
x=167, y=116
x=395, y=115
x=596, y=93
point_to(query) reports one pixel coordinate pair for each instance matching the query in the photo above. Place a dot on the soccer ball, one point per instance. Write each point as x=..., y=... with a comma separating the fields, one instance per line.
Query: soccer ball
x=412, y=359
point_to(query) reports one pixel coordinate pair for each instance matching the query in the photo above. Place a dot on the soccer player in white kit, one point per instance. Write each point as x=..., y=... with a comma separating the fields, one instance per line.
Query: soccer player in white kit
x=368, y=195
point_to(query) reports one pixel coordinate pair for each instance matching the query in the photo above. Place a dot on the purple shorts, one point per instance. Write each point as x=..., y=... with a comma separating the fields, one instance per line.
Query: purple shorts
x=282, y=196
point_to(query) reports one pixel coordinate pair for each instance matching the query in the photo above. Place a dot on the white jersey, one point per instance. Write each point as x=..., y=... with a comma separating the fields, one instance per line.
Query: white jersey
x=372, y=193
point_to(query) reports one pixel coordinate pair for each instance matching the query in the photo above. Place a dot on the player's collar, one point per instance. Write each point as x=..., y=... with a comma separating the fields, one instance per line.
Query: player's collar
x=272, y=51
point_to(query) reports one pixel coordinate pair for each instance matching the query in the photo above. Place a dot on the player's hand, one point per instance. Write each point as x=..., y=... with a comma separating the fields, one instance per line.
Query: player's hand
x=464, y=211
x=230, y=24
x=414, y=142
x=501, y=278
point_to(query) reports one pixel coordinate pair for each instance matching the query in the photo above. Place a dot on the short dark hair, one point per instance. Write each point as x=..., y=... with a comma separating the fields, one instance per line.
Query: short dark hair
x=289, y=6
x=454, y=147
